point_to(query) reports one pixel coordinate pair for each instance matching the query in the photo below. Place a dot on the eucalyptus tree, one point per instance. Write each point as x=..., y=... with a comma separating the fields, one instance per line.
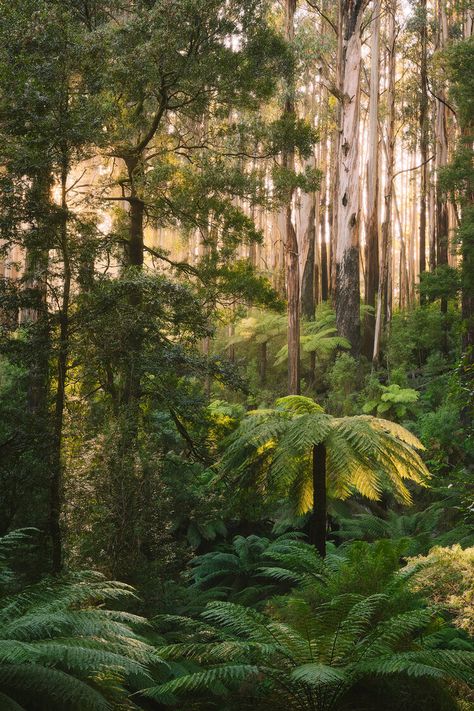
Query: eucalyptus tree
x=384, y=291
x=299, y=451
x=348, y=209
x=291, y=241
x=373, y=186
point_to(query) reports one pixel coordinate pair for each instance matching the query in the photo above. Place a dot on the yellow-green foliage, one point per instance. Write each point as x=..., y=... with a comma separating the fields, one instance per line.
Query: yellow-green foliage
x=447, y=577
x=364, y=454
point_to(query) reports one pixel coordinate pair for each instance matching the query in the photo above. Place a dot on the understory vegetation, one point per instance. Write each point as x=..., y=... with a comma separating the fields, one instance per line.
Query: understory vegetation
x=221, y=489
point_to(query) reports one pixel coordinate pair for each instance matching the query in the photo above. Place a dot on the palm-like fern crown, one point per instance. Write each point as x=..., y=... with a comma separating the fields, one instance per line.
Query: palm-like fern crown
x=259, y=326
x=309, y=658
x=365, y=454
x=59, y=649
x=317, y=336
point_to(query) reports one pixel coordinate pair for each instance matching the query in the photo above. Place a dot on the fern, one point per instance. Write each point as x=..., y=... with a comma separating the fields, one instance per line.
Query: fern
x=319, y=655
x=60, y=647
x=274, y=449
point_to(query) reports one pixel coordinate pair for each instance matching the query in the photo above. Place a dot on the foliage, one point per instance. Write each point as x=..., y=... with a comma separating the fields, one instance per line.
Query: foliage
x=60, y=644
x=272, y=450
x=318, y=336
x=445, y=576
x=323, y=655
x=392, y=400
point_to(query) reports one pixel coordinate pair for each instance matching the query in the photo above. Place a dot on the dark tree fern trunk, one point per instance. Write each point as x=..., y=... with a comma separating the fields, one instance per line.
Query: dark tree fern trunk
x=317, y=526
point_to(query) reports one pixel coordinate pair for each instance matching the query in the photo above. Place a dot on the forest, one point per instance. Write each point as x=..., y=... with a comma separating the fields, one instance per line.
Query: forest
x=236, y=355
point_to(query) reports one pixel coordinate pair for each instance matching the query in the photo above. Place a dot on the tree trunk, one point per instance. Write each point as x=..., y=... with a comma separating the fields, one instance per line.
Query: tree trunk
x=60, y=397
x=291, y=243
x=348, y=208
x=336, y=154
x=318, y=522
x=442, y=219
x=308, y=302
x=322, y=226
x=134, y=258
x=372, y=224
x=35, y=280
x=384, y=291
x=423, y=119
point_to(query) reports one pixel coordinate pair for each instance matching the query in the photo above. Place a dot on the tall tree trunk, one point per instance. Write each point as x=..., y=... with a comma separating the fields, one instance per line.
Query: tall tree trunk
x=322, y=226
x=61, y=375
x=35, y=281
x=423, y=119
x=348, y=209
x=336, y=153
x=318, y=522
x=308, y=300
x=372, y=224
x=291, y=243
x=384, y=291
x=432, y=222
x=467, y=296
x=308, y=227
x=134, y=258
x=442, y=218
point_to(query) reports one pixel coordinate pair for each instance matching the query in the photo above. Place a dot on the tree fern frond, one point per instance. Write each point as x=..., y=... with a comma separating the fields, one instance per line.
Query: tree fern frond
x=298, y=405
x=318, y=675
x=437, y=663
x=54, y=685
x=9, y=704
x=215, y=681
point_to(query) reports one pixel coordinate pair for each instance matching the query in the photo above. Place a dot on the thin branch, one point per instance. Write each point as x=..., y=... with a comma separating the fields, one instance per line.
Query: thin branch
x=323, y=15
x=184, y=266
x=442, y=101
x=407, y=170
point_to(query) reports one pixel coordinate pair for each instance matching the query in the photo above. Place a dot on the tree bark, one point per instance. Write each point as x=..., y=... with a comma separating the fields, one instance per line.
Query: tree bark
x=384, y=291
x=291, y=243
x=322, y=226
x=134, y=258
x=372, y=223
x=348, y=208
x=423, y=119
x=60, y=396
x=308, y=301
x=336, y=154
x=318, y=522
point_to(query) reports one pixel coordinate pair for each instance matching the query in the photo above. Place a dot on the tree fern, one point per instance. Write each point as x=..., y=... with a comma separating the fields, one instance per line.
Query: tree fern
x=299, y=451
x=60, y=647
x=316, y=655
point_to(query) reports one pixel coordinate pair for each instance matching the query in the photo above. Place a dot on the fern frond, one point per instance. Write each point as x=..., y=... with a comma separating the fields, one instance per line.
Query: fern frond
x=318, y=675
x=215, y=681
